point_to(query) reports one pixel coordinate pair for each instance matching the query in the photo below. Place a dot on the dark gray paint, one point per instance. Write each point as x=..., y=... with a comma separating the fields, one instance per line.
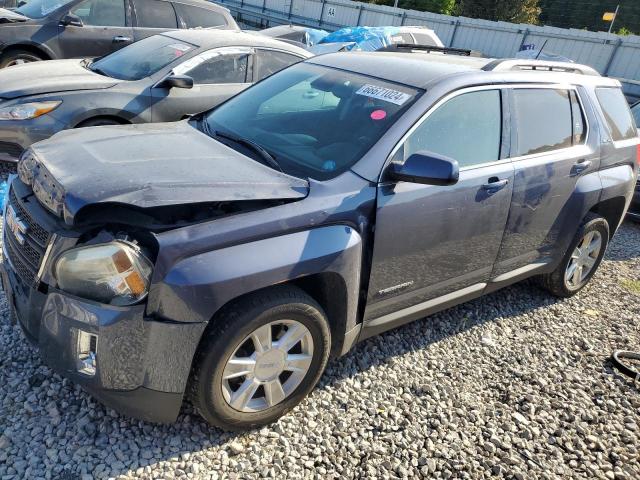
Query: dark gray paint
x=51, y=40
x=87, y=95
x=447, y=240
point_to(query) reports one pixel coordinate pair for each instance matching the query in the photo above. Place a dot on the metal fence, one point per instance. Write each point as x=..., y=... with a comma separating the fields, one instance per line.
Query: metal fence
x=610, y=54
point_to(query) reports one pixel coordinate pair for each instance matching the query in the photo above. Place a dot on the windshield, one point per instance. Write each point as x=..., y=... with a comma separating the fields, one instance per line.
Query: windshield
x=141, y=59
x=315, y=121
x=40, y=8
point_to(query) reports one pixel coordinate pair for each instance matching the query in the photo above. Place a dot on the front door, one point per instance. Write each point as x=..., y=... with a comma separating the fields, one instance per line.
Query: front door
x=105, y=28
x=217, y=75
x=435, y=240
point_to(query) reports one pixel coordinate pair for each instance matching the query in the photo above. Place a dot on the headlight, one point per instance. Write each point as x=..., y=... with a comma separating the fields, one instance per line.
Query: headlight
x=116, y=273
x=27, y=167
x=26, y=111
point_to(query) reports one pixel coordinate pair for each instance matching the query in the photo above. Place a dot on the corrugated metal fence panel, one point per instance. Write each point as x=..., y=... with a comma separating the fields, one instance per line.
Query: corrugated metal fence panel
x=608, y=53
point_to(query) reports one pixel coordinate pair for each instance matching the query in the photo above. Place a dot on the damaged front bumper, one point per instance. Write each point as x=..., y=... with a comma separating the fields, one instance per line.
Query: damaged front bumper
x=133, y=363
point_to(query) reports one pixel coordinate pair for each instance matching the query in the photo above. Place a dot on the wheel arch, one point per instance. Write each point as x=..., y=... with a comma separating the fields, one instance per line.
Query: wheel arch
x=612, y=210
x=38, y=49
x=122, y=117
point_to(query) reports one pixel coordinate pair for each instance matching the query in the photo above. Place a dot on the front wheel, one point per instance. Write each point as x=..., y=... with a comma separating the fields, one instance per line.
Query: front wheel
x=581, y=260
x=18, y=57
x=266, y=354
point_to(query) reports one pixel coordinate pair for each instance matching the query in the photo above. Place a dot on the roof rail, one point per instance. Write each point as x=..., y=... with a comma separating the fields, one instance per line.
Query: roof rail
x=502, y=65
x=404, y=47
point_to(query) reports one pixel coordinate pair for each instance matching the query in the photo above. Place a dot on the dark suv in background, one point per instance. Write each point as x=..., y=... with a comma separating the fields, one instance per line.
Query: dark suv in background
x=228, y=255
x=51, y=29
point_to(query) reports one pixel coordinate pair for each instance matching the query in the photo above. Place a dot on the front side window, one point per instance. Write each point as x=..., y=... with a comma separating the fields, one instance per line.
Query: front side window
x=544, y=120
x=199, y=17
x=141, y=59
x=217, y=68
x=41, y=8
x=326, y=137
x=466, y=128
x=101, y=13
x=616, y=111
x=155, y=14
x=271, y=61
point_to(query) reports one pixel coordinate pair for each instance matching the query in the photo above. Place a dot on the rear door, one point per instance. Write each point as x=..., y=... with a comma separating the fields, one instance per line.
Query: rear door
x=106, y=27
x=435, y=240
x=152, y=17
x=550, y=155
x=217, y=74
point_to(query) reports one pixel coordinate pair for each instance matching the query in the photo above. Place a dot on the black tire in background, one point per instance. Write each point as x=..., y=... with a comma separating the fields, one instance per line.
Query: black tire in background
x=555, y=282
x=235, y=323
x=14, y=57
x=97, y=122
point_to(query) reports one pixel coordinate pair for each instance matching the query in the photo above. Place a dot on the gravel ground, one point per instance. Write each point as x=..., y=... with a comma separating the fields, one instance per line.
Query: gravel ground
x=514, y=385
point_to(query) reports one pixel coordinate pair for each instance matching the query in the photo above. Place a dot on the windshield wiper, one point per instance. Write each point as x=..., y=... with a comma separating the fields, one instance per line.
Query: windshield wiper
x=266, y=156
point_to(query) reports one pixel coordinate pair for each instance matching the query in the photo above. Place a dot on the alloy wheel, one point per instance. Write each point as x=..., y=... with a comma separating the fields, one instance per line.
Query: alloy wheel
x=583, y=259
x=267, y=366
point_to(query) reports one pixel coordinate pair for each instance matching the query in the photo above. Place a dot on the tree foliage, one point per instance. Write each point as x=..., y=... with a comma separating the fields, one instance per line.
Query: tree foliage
x=588, y=14
x=516, y=11
x=435, y=6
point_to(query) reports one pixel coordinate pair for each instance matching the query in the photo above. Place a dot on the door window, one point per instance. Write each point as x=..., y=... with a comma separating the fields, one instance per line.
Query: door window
x=270, y=62
x=543, y=117
x=199, y=17
x=216, y=68
x=616, y=111
x=155, y=14
x=467, y=128
x=101, y=13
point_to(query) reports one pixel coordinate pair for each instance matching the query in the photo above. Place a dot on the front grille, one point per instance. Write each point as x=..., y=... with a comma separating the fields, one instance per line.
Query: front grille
x=26, y=257
x=39, y=234
x=11, y=149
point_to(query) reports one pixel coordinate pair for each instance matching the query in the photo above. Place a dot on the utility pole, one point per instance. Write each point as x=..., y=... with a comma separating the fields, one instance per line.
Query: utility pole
x=395, y=4
x=615, y=15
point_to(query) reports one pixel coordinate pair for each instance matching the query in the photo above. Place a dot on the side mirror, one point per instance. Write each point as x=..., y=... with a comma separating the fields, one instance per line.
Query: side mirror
x=427, y=168
x=71, y=20
x=176, y=81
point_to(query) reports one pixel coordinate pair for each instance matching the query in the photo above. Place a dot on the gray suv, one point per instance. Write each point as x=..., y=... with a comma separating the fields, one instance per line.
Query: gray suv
x=227, y=257
x=53, y=29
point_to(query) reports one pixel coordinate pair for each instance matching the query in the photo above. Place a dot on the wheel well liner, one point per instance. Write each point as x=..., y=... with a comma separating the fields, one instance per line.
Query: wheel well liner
x=115, y=118
x=30, y=48
x=612, y=210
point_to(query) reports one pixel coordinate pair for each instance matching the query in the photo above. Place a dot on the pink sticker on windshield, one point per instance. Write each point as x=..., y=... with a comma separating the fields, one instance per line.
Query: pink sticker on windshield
x=378, y=115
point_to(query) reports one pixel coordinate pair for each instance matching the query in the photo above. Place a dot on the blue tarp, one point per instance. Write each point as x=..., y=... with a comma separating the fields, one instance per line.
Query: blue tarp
x=367, y=39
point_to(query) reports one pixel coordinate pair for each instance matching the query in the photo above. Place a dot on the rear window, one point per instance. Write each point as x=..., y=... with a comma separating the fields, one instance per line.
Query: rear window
x=617, y=113
x=199, y=17
x=544, y=120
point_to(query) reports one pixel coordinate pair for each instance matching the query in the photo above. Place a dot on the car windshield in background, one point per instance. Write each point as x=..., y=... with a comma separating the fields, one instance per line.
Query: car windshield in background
x=141, y=59
x=40, y=8
x=315, y=121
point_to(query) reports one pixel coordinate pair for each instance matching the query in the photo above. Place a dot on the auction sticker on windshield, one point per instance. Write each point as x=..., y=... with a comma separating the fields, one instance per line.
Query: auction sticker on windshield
x=385, y=94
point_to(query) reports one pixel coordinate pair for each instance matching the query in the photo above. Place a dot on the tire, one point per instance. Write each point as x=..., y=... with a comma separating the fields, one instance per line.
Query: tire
x=219, y=397
x=561, y=282
x=98, y=122
x=15, y=57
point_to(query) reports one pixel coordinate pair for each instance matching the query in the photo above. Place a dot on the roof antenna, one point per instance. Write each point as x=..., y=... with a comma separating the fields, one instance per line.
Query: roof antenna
x=541, y=48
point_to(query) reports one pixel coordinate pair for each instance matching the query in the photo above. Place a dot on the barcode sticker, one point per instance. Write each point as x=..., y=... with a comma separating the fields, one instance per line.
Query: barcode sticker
x=385, y=94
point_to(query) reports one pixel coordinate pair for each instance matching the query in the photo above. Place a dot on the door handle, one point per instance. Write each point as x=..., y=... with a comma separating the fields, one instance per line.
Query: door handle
x=121, y=39
x=580, y=167
x=494, y=184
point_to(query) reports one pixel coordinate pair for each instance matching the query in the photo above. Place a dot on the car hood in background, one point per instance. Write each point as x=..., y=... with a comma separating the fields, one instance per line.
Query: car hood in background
x=48, y=77
x=7, y=16
x=156, y=165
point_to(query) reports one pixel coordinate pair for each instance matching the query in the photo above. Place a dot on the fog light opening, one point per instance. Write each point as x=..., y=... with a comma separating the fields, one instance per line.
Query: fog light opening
x=86, y=356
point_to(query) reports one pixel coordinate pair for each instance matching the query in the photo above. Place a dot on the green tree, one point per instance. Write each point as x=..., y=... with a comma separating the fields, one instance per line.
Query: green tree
x=435, y=6
x=516, y=11
x=588, y=14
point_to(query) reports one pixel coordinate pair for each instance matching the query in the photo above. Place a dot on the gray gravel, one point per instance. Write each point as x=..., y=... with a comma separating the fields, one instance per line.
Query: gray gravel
x=514, y=385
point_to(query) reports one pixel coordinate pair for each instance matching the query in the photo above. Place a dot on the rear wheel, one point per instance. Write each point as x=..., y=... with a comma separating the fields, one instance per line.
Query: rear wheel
x=18, y=57
x=581, y=260
x=266, y=354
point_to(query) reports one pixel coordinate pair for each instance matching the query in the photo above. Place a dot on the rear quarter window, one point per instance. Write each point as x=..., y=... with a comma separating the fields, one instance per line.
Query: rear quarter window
x=617, y=113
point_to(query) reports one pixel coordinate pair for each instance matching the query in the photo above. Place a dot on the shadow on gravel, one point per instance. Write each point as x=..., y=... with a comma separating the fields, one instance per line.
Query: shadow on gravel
x=622, y=251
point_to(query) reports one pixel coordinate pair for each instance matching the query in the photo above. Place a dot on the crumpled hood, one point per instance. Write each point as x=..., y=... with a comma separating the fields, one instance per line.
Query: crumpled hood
x=9, y=16
x=155, y=165
x=48, y=77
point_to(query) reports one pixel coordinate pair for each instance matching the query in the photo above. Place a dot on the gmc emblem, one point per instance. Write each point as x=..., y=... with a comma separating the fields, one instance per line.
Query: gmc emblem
x=16, y=225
